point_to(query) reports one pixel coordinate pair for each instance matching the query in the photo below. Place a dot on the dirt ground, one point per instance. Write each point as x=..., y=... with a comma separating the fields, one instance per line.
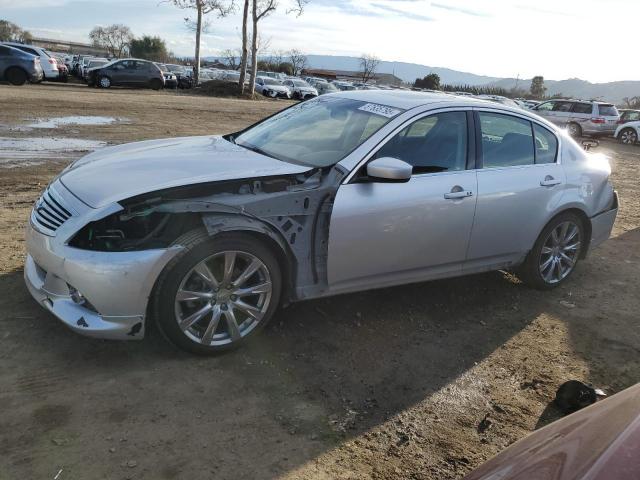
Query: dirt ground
x=389, y=384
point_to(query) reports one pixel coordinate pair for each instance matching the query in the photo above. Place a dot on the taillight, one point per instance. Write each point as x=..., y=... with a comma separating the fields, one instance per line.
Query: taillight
x=598, y=120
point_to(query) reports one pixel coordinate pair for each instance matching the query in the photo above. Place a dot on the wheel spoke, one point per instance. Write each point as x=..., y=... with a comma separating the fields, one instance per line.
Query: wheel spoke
x=188, y=322
x=554, y=236
x=570, y=235
x=253, y=267
x=546, y=264
x=254, y=290
x=567, y=259
x=232, y=325
x=229, y=264
x=203, y=271
x=549, y=275
x=211, y=328
x=573, y=246
x=558, y=269
x=546, y=250
x=253, y=312
x=563, y=231
x=187, y=295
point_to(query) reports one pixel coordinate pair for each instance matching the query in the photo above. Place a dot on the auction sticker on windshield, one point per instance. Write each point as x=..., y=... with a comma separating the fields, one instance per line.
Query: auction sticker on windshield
x=380, y=110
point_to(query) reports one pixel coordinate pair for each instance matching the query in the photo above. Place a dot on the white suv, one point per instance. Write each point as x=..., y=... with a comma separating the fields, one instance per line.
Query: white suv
x=49, y=64
x=628, y=133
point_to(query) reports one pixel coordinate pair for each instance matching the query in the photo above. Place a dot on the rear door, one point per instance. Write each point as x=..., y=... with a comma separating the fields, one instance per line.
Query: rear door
x=519, y=185
x=546, y=110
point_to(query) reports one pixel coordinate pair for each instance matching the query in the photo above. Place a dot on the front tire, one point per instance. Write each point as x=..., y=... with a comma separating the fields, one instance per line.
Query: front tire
x=16, y=76
x=155, y=84
x=628, y=136
x=218, y=292
x=556, y=252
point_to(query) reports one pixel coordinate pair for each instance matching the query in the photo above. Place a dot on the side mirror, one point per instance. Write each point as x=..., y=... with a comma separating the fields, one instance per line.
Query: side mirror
x=390, y=169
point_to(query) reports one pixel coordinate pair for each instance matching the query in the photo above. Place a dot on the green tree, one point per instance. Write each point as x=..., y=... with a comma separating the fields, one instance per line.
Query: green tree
x=149, y=48
x=430, y=82
x=537, y=87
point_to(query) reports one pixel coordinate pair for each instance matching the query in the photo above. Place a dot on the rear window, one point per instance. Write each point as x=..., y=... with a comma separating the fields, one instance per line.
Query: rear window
x=607, y=110
x=583, y=108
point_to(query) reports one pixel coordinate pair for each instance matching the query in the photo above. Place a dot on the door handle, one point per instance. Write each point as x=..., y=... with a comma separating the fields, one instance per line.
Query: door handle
x=457, y=195
x=549, y=181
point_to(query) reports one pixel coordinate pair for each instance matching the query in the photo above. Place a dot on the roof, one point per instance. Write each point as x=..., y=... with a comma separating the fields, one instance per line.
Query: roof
x=407, y=99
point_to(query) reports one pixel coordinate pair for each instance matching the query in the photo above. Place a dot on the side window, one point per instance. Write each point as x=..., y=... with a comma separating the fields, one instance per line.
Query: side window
x=119, y=66
x=546, y=145
x=563, y=106
x=633, y=116
x=436, y=143
x=582, y=107
x=506, y=141
x=545, y=107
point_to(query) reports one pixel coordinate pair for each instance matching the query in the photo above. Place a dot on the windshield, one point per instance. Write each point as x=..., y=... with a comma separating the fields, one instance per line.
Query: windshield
x=177, y=68
x=97, y=63
x=300, y=83
x=319, y=132
x=271, y=81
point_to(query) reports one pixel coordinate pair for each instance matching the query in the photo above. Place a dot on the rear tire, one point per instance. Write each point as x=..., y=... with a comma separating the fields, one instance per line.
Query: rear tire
x=233, y=315
x=575, y=130
x=628, y=136
x=16, y=76
x=104, y=82
x=551, y=262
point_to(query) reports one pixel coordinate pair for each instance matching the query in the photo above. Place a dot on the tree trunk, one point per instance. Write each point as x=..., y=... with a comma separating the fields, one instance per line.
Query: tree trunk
x=254, y=48
x=196, y=66
x=245, y=47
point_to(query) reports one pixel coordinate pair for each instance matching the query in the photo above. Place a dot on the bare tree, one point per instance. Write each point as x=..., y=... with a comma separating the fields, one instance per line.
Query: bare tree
x=114, y=38
x=203, y=7
x=260, y=9
x=231, y=58
x=368, y=66
x=298, y=61
x=245, y=47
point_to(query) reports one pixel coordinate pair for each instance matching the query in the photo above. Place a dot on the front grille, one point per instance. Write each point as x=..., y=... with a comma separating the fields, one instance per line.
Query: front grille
x=49, y=211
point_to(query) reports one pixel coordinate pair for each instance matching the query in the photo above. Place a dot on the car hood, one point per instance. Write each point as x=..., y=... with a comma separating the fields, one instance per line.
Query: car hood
x=123, y=171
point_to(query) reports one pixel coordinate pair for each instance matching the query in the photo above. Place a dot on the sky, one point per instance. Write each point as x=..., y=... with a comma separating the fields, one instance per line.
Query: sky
x=595, y=40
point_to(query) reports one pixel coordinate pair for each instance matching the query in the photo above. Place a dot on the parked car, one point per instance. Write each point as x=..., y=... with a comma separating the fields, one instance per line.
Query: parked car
x=47, y=62
x=500, y=99
x=581, y=117
x=209, y=235
x=77, y=62
x=300, y=89
x=131, y=72
x=63, y=72
x=599, y=442
x=18, y=67
x=326, y=87
x=270, y=87
x=627, y=115
x=92, y=63
x=628, y=133
x=170, y=79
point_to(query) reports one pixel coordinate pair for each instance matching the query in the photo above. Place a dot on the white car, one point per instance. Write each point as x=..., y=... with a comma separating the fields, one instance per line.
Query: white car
x=270, y=87
x=300, y=89
x=628, y=133
x=49, y=64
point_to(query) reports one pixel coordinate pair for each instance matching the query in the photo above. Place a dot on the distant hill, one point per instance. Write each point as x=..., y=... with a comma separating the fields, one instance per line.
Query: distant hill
x=576, y=88
x=406, y=71
x=573, y=87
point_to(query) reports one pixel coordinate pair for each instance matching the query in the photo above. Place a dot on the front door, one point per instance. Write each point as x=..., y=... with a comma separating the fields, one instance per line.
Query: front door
x=391, y=233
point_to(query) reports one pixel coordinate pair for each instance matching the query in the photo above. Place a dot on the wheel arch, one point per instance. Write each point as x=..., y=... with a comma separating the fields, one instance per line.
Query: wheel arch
x=586, y=223
x=15, y=67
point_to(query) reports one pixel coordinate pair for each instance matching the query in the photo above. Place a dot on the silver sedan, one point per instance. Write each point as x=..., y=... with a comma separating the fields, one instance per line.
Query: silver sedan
x=208, y=236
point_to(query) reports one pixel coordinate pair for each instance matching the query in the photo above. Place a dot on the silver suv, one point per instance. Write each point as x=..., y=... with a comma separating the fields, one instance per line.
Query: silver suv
x=581, y=117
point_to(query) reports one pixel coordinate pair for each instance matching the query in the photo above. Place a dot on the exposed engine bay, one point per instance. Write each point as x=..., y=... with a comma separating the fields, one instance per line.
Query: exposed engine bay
x=293, y=211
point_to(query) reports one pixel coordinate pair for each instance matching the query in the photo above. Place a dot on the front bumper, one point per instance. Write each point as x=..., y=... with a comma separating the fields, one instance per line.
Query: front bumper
x=602, y=224
x=116, y=285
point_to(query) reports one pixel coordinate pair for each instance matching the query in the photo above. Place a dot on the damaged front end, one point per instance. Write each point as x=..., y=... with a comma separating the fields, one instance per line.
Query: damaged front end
x=292, y=211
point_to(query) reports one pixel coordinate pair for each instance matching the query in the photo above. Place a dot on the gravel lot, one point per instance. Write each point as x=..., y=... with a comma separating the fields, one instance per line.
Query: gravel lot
x=382, y=384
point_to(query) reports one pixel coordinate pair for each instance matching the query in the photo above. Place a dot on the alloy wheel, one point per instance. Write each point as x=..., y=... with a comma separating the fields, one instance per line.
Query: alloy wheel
x=223, y=298
x=574, y=130
x=560, y=252
x=105, y=82
x=628, y=137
